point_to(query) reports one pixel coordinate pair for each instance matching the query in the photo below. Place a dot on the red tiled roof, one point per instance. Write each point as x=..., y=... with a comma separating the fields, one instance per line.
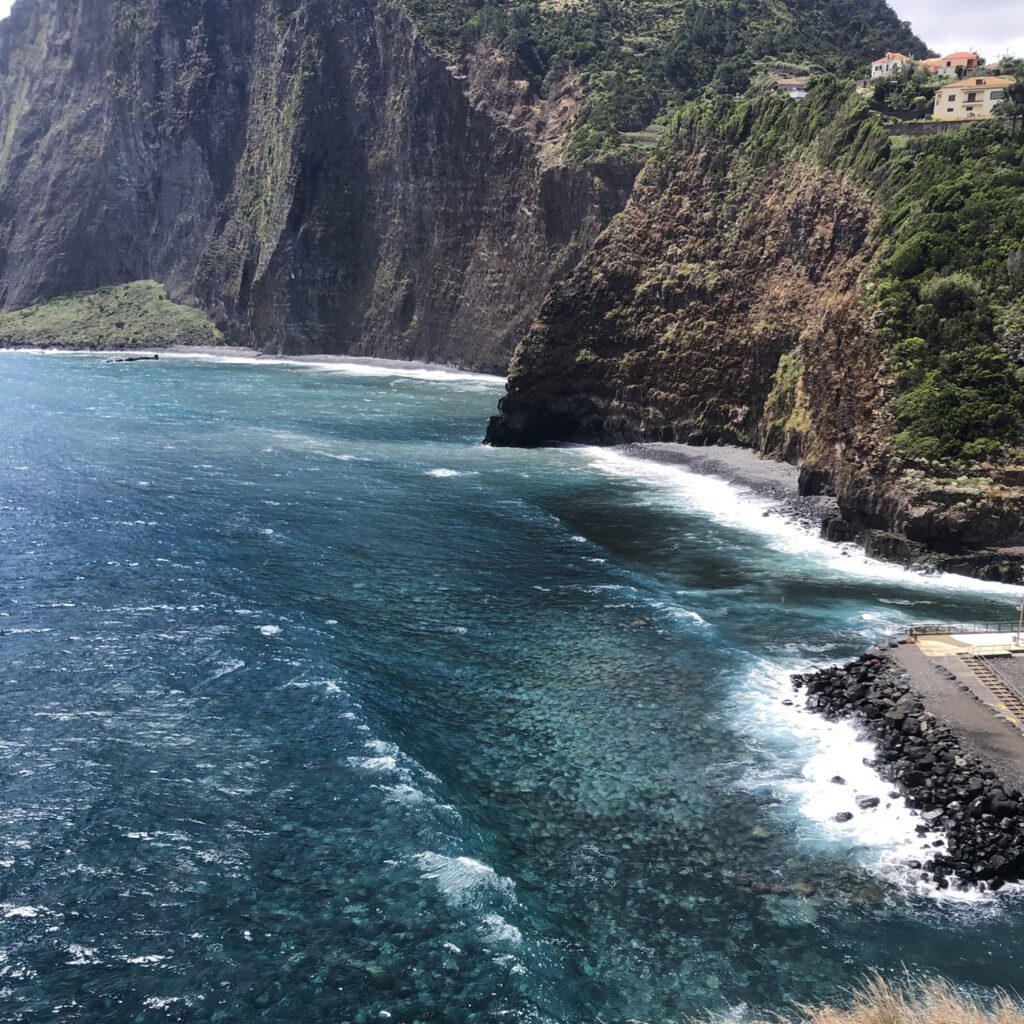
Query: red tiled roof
x=939, y=62
x=978, y=82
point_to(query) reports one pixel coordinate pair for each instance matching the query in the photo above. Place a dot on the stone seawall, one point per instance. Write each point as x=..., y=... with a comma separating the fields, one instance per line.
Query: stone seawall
x=978, y=818
x=921, y=128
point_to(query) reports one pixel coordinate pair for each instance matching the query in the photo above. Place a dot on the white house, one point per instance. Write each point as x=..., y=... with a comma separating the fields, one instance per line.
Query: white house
x=969, y=98
x=953, y=64
x=885, y=66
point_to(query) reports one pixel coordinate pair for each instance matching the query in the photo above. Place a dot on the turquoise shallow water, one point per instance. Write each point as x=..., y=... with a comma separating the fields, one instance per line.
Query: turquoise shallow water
x=314, y=709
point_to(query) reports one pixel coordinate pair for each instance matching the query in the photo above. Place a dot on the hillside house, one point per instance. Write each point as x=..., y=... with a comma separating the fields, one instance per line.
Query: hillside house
x=795, y=86
x=969, y=98
x=885, y=66
x=953, y=65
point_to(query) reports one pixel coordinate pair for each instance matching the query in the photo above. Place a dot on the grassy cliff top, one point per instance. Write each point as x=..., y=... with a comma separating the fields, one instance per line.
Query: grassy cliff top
x=637, y=57
x=125, y=316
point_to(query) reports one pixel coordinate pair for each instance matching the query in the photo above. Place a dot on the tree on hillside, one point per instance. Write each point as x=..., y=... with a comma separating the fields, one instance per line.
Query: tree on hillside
x=1012, y=105
x=906, y=89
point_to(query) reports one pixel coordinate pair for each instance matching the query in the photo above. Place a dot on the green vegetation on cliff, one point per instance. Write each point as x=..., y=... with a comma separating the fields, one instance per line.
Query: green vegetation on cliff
x=639, y=56
x=127, y=316
x=946, y=289
x=791, y=276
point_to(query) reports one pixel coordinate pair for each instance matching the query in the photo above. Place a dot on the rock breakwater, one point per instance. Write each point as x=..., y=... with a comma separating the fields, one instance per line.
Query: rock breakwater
x=978, y=818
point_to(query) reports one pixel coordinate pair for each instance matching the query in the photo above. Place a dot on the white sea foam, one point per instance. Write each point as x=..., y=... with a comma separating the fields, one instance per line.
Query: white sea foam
x=339, y=457
x=353, y=367
x=270, y=630
x=403, y=793
x=9, y=910
x=739, y=507
x=374, y=764
x=227, y=667
x=442, y=473
x=882, y=839
x=811, y=751
x=496, y=929
x=462, y=880
x=681, y=614
x=327, y=685
x=82, y=955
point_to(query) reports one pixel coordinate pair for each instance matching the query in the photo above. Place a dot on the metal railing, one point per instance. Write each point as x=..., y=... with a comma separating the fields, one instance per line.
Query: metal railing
x=990, y=650
x=1010, y=699
x=939, y=629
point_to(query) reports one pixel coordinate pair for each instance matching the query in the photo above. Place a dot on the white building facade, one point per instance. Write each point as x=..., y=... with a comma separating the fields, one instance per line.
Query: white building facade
x=969, y=98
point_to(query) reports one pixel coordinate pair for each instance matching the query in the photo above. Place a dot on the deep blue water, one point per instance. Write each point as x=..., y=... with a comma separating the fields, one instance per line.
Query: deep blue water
x=314, y=709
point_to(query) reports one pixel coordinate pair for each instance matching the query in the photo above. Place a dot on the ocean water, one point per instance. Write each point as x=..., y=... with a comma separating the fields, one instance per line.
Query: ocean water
x=314, y=709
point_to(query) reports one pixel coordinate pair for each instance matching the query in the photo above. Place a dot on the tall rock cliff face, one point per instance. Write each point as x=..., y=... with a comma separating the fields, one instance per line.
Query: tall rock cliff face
x=754, y=291
x=673, y=328
x=306, y=170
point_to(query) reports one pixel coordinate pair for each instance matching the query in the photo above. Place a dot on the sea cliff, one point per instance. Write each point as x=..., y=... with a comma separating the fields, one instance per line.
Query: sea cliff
x=312, y=174
x=398, y=178
x=788, y=278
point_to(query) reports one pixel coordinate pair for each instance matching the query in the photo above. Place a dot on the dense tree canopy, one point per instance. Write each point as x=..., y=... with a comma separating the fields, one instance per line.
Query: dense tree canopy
x=639, y=57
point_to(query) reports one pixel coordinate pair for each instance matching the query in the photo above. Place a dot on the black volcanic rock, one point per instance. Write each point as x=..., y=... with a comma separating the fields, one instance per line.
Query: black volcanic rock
x=980, y=817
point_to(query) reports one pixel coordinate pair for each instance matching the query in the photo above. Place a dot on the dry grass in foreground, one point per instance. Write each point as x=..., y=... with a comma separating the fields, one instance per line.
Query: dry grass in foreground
x=910, y=1001
x=878, y=1000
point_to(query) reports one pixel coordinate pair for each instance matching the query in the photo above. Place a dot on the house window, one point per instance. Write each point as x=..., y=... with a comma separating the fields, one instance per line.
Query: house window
x=997, y=94
x=949, y=110
x=952, y=97
x=972, y=97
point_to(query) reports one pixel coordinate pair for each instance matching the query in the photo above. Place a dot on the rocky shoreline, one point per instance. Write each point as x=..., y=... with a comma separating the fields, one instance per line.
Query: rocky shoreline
x=778, y=482
x=976, y=817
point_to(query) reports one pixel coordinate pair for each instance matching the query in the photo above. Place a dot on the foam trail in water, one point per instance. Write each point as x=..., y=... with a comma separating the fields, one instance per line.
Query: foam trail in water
x=461, y=879
x=352, y=366
x=739, y=507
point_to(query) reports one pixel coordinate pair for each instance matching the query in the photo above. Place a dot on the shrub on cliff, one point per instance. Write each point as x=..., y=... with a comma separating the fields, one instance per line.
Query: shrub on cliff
x=945, y=287
x=953, y=220
x=124, y=316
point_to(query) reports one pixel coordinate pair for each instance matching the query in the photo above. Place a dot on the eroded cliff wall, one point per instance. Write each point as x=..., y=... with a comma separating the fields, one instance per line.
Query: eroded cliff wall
x=306, y=170
x=786, y=278
x=673, y=328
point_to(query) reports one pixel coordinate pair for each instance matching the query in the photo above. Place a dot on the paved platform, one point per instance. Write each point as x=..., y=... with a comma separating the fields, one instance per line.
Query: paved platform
x=942, y=644
x=981, y=719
